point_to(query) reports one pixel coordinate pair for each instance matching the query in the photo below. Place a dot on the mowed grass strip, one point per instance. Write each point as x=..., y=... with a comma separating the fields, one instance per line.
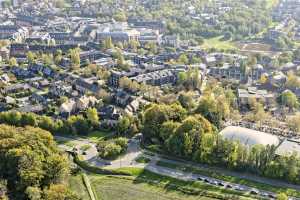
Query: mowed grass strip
x=76, y=185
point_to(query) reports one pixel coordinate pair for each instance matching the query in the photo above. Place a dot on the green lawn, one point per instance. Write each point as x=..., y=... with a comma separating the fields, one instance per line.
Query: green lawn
x=232, y=179
x=95, y=136
x=218, y=43
x=76, y=185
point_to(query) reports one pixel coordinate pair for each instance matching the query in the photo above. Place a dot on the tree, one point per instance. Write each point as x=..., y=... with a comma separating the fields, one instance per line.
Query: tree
x=62, y=99
x=213, y=109
x=47, y=59
x=27, y=165
x=122, y=142
x=92, y=116
x=289, y=99
x=13, y=62
x=186, y=100
x=75, y=57
x=58, y=57
x=78, y=124
x=282, y=196
x=152, y=47
x=182, y=77
x=123, y=125
x=109, y=150
x=154, y=117
x=33, y=193
x=58, y=192
x=183, y=59
x=28, y=119
x=292, y=81
x=30, y=57
x=168, y=128
x=108, y=43
x=120, y=16
x=134, y=44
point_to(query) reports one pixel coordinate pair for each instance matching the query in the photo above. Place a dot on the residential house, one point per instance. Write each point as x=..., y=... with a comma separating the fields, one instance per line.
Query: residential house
x=121, y=98
x=87, y=85
x=109, y=116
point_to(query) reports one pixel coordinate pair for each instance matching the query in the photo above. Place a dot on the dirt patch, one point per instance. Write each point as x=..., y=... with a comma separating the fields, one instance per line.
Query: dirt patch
x=254, y=47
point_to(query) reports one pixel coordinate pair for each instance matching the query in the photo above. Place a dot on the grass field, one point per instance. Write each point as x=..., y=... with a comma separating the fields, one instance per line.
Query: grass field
x=232, y=179
x=95, y=136
x=145, y=185
x=76, y=185
x=192, y=189
x=218, y=43
x=114, y=188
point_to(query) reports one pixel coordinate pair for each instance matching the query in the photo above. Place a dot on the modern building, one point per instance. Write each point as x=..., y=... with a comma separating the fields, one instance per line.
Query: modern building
x=248, y=136
x=246, y=95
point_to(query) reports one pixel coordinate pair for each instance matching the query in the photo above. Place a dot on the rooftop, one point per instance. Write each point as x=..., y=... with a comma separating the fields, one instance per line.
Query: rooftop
x=248, y=136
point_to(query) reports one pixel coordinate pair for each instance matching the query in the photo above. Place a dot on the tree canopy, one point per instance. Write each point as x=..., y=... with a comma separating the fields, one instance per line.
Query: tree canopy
x=31, y=163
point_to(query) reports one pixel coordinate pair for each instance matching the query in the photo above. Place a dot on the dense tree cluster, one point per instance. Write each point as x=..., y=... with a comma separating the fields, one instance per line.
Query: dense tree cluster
x=32, y=164
x=193, y=137
x=113, y=148
x=75, y=124
x=191, y=79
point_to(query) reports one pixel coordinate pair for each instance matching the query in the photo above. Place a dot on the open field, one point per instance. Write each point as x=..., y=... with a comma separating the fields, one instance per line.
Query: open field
x=218, y=43
x=114, y=188
x=190, y=189
x=254, y=47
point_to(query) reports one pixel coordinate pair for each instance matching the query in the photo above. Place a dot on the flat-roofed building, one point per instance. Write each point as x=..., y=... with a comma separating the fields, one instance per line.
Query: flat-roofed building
x=288, y=147
x=249, y=136
x=245, y=96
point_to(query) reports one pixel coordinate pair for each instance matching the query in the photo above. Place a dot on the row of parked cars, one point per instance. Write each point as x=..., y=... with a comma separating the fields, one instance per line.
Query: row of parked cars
x=236, y=187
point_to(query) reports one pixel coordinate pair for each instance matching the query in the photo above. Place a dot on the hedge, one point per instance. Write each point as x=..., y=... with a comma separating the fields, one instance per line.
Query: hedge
x=94, y=169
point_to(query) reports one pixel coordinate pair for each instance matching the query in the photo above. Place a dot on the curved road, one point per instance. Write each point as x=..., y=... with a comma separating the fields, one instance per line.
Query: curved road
x=134, y=151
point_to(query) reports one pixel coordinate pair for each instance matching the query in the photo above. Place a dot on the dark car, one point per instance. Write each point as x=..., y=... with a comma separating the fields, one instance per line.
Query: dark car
x=253, y=191
x=221, y=184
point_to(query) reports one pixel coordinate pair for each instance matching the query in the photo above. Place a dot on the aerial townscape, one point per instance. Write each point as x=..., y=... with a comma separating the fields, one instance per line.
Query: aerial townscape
x=149, y=99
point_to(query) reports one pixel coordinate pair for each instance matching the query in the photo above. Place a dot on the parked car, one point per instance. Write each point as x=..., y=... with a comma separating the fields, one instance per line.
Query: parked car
x=254, y=191
x=221, y=184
